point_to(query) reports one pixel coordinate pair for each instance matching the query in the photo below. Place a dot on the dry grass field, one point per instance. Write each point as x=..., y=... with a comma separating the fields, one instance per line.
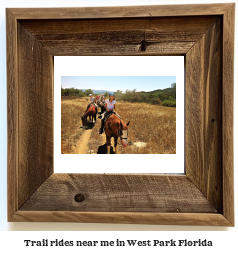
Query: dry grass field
x=152, y=129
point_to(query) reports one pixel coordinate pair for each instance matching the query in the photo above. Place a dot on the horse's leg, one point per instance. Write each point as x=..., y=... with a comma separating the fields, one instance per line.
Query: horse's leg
x=115, y=144
x=108, y=139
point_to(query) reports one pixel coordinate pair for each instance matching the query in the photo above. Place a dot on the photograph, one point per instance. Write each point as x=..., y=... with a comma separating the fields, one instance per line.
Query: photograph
x=123, y=106
x=118, y=115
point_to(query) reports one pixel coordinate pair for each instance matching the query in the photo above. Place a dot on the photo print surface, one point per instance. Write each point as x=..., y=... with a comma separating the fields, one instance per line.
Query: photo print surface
x=130, y=107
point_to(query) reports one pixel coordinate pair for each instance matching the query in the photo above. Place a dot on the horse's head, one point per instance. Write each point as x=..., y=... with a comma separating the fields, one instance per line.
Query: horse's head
x=124, y=133
x=84, y=120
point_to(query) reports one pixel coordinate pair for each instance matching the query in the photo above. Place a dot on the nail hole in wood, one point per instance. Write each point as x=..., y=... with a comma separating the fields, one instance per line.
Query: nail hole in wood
x=213, y=120
x=79, y=198
x=143, y=45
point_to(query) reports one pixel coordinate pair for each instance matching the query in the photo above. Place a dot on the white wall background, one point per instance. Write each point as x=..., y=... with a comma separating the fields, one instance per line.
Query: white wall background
x=4, y=226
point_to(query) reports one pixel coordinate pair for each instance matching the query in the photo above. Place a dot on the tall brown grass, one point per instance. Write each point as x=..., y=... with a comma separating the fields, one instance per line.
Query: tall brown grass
x=152, y=124
x=71, y=112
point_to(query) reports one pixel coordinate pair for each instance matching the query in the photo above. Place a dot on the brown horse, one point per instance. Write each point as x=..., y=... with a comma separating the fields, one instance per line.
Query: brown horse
x=115, y=127
x=92, y=113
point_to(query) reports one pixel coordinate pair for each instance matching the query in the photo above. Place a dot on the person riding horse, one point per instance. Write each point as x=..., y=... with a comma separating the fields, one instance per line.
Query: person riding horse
x=101, y=103
x=92, y=101
x=102, y=98
x=110, y=107
x=97, y=99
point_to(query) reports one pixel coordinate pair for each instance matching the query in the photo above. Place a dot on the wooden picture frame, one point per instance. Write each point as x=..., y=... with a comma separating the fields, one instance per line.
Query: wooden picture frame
x=204, y=34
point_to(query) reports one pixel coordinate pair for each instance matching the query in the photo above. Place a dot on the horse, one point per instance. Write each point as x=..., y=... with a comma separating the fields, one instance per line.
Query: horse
x=117, y=128
x=102, y=106
x=92, y=113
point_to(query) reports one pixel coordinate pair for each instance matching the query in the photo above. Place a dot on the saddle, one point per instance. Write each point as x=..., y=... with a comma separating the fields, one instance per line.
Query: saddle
x=107, y=116
x=92, y=103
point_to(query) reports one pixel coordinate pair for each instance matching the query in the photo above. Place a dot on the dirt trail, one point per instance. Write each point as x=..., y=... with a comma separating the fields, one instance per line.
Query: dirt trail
x=159, y=137
x=82, y=144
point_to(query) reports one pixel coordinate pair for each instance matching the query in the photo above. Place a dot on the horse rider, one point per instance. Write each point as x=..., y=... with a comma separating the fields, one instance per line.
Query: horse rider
x=97, y=98
x=110, y=107
x=102, y=98
x=92, y=101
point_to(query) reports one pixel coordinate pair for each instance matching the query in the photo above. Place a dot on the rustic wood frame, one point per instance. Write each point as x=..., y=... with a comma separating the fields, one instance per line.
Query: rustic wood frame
x=204, y=34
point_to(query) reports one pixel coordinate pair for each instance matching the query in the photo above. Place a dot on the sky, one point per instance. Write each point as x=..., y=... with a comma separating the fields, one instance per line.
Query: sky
x=114, y=83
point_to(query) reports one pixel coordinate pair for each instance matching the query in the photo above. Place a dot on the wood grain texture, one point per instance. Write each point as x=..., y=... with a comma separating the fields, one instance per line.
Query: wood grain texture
x=204, y=114
x=204, y=196
x=174, y=36
x=12, y=116
x=35, y=114
x=125, y=12
x=179, y=25
x=227, y=113
x=134, y=193
x=71, y=48
x=192, y=219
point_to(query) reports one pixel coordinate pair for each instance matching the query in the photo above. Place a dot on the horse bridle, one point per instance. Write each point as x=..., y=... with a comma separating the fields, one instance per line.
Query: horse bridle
x=120, y=132
x=126, y=135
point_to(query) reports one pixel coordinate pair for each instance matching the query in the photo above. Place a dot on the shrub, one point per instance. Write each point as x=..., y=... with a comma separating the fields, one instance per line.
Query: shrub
x=168, y=103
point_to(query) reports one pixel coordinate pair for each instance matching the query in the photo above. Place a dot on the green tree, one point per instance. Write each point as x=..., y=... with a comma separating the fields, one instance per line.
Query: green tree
x=173, y=85
x=88, y=91
x=106, y=95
